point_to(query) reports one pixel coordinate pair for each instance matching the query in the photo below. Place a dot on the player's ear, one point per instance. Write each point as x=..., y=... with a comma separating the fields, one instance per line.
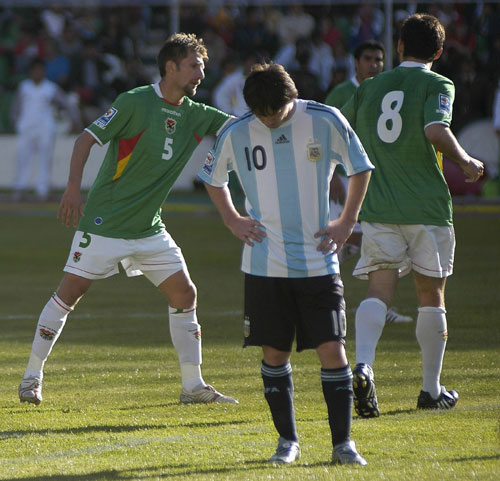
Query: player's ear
x=401, y=47
x=438, y=54
x=170, y=67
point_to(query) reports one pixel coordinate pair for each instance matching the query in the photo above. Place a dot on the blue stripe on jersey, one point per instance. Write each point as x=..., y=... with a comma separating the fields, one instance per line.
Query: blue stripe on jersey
x=239, y=139
x=220, y=135
x=323, y=175
x=289, y=203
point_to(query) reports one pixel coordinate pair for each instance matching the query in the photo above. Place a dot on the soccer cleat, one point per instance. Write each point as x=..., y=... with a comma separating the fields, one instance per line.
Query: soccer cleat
x=30, y=390
x=286, y=452
x=445, y=400
x=394, y=316
x=345, y=453
x=206, y=394
x=365, y=395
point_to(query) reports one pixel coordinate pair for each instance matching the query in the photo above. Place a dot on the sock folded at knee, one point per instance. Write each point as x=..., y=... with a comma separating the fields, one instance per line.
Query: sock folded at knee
x=432, y=334
x=278, y=391
x=49, y=328
x=370, y=321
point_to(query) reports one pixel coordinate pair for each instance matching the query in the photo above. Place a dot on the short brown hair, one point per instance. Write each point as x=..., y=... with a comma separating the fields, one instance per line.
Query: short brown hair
x=178, y=47
x=422, y=36
x=268, y=88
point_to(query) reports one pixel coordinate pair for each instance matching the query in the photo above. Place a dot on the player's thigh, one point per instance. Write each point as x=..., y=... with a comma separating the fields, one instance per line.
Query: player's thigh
x=383, y=246
x=157, y=257
x=95, y=257
x=431, y=249
x=321, y=305
x=430, y=290
x=270, y=313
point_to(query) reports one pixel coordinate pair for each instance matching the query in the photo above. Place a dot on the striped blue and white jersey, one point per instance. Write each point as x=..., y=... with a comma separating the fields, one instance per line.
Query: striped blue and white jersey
x=285, y=173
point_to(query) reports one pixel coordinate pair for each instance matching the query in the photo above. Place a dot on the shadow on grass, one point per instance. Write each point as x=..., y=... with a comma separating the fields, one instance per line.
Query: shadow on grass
x=177, y=471
x=113, y=429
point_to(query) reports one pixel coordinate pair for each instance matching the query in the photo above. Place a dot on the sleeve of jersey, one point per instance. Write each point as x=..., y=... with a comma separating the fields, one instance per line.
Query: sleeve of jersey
x=439, y=102
x=113, y=122
x=214, y=120
x=348, y=149
x=218, y=163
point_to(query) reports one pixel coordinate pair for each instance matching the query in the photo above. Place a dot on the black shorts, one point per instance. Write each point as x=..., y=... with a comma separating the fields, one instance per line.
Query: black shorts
x=277, y=310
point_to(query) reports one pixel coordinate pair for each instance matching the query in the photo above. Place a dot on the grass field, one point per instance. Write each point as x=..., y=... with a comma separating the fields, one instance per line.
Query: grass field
x=111, y=390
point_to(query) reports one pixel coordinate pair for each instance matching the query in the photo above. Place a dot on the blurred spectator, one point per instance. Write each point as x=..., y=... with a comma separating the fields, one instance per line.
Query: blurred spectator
x=228, y=94
x=368, y=23
x=57, y=65
x=34, y=113
x=29, y=46
x=251, y=35
x=295, y=24
x=473, y=97
x=305, y=79
x=54, y=21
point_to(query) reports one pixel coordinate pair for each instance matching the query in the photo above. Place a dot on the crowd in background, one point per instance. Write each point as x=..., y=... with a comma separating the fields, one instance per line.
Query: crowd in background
x=96, y=53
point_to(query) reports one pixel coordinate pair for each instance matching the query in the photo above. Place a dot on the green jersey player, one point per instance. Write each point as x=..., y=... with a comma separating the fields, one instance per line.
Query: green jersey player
x=402, y=118
x=152, y=132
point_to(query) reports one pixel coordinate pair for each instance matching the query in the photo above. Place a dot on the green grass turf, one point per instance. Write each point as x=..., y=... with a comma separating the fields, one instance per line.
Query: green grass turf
x=112, y=383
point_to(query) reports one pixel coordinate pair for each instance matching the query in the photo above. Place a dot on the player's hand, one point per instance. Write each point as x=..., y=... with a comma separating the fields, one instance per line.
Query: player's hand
x=333, y=236
x=70, y=208
x=473, y=170
x=247, y=229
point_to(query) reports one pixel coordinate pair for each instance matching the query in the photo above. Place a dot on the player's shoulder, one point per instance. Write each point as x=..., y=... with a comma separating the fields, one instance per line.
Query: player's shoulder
x=235, y=124
x=137, y=94
x=318, y=109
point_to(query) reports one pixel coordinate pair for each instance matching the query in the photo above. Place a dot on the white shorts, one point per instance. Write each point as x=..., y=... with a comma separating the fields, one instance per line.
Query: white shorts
x=95, y=257
x=427, y=249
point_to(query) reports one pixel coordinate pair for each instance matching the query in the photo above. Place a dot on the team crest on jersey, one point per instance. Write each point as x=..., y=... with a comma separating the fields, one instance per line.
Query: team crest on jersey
x=314, y=153
x=208, y=166
x=77, y=256
x=170, y=125
x=105, y=119
x=444, y=103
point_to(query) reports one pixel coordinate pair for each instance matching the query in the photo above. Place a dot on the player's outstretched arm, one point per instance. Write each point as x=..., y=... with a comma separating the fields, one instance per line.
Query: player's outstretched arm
x=443, y=140
x=244, y=228
x=70, y=207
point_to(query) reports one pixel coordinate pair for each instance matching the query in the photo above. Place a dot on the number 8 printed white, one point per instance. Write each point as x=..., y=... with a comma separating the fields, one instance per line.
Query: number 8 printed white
x=389, y=132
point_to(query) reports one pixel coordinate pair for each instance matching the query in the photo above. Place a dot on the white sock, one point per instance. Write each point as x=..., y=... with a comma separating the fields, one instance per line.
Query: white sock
x=432, y=334
x=49, y=327
x=370, y=321
x=186, y=338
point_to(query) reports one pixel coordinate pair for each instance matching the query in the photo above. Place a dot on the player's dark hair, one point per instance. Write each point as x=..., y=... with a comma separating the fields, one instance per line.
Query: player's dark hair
x=422, y=36
x=368, y=45
x=268, y=88
x=177, y=47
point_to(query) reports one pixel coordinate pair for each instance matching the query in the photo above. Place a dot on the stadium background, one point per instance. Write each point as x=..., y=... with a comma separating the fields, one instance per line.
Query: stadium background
x=121, y=39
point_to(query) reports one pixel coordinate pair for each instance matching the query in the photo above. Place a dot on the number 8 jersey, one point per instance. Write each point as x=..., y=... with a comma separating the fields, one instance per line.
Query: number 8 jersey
x=285, y=173
x=389, y=113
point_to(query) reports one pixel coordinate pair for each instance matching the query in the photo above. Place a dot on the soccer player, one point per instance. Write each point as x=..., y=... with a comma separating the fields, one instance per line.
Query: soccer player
x=402, y=118
x=369, y=59
x=152, y=132
x=284, y=152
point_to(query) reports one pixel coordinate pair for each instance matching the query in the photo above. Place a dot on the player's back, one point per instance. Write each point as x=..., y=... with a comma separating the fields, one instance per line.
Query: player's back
x=389, y=113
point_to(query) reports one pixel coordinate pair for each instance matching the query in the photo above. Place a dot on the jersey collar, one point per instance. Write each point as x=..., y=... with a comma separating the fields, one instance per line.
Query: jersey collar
x=412, y=64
